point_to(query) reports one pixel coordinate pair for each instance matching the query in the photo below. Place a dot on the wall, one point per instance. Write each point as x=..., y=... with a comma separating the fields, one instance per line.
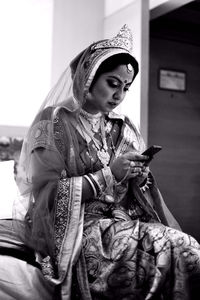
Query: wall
x=25, y=59
x=174, y=122
x=76, y=25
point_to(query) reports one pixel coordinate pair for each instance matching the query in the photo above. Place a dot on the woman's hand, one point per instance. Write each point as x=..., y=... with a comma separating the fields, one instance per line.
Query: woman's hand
x=141, y=179
x=130, y=165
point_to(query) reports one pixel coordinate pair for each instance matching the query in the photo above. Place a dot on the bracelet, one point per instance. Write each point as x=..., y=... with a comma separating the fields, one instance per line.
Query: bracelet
x=91, y=184
x=145, y=185
x=96, y=179
x=105, y=187
x=96, y=184
x=102, y=184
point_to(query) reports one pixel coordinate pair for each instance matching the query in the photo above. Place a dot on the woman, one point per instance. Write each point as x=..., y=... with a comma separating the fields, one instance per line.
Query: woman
x=93, y=213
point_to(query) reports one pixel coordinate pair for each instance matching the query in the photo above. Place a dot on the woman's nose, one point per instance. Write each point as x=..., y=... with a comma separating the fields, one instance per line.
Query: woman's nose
x=118, y=95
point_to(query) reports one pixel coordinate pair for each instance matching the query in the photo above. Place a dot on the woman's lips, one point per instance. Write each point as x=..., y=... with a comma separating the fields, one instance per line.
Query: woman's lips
x=113, y=104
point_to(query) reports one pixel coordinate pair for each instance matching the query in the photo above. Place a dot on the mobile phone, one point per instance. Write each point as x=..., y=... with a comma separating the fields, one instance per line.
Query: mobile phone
x=151, y=151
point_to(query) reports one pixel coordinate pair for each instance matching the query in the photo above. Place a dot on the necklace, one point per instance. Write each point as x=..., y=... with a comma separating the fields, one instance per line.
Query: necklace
x=103, y=154
x=92, y=120
x=102, y=148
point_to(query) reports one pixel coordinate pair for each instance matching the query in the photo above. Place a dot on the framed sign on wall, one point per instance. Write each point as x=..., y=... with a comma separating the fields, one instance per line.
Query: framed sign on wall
x=173, y=80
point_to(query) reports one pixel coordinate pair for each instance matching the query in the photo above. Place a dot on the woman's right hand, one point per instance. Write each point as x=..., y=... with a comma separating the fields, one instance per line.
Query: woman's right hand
x=128, y=165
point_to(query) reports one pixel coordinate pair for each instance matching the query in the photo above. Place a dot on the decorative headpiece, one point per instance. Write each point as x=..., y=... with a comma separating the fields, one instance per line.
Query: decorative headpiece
x=123, y=40
x=101, y=50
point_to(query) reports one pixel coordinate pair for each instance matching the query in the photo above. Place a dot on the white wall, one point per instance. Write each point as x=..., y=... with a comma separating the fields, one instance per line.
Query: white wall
x=25, y=58
x=77, y=24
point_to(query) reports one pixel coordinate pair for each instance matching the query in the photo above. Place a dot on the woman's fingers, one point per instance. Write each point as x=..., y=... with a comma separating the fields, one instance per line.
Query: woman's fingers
x=135, y=171
x=133, y=164
x=130, y=164
x=135, y=156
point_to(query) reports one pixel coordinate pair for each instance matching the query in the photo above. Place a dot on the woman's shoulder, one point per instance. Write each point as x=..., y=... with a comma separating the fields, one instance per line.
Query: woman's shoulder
x=51, y=113
x=44, y=114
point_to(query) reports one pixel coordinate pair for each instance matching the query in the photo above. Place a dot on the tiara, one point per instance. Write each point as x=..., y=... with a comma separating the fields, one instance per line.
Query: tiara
x=123, y=40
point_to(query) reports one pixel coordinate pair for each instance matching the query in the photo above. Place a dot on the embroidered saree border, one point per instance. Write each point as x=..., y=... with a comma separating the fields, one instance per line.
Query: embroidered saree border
x=67, y=245
x=68, y=233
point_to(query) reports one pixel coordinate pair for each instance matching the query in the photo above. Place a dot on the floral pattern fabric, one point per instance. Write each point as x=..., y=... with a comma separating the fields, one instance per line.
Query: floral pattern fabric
x=130, y=259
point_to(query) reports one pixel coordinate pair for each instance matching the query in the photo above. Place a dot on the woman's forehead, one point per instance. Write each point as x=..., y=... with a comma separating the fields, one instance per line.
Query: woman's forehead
x=122, y=73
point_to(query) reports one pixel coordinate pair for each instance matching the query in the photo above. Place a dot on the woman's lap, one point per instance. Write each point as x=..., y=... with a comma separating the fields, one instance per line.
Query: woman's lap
x=133, y=258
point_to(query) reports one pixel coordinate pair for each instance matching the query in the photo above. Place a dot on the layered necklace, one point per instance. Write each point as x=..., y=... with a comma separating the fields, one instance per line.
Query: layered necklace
x=90, y=125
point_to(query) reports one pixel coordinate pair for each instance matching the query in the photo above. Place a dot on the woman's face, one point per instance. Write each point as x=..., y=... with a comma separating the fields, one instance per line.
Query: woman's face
x=109, y=90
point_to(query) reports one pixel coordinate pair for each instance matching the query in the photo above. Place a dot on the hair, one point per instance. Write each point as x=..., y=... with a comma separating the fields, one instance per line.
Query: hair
x=113, y=62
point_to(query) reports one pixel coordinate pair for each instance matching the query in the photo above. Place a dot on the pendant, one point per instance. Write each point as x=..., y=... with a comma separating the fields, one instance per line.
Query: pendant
x=103, y=156
x=95, y=126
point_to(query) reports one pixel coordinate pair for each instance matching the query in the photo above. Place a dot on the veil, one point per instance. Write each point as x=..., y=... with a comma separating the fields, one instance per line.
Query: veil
x=61, y=95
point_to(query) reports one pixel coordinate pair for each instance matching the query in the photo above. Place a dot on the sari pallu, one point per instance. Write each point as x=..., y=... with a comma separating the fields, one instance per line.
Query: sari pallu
x=54, y=219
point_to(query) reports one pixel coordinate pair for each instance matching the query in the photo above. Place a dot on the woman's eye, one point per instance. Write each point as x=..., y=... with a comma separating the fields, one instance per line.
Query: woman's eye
x=113, y=84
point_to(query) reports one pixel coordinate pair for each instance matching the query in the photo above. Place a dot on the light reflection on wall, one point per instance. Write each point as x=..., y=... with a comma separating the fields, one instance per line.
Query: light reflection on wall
x=25, y=58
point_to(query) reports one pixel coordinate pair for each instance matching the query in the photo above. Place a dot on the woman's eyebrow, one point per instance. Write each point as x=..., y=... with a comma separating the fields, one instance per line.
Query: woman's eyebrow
x=120, y=79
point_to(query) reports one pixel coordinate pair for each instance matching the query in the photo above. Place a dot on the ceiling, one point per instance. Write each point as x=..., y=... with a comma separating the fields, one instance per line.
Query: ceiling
x=182, y=24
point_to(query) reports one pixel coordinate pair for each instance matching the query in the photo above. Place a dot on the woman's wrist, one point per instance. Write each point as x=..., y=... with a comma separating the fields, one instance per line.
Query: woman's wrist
x=105, y=186
x=101, y=182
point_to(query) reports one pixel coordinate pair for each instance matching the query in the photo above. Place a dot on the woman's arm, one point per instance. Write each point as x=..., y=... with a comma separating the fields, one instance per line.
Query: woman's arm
x=47, y=169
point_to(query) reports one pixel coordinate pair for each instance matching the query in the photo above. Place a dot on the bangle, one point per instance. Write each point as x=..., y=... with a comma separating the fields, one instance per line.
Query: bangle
x=91, y=184
x=102, y=181
x=96, y=184
x=145, y=185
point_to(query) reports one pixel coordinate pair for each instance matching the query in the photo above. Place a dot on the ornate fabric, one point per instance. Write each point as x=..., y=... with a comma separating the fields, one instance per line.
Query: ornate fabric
x=129, y=259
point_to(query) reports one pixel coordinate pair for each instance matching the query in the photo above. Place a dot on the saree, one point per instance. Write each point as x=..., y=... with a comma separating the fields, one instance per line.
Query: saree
x=134, y=250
